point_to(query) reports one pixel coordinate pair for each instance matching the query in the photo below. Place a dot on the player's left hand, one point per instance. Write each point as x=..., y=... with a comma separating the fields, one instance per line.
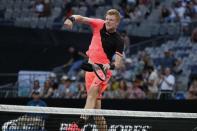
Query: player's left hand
x=106, y=66
x=68, y=24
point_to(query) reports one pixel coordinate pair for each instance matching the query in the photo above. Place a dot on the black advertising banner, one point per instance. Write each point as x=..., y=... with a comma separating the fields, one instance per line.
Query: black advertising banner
x=22, y=122
x=139, y=124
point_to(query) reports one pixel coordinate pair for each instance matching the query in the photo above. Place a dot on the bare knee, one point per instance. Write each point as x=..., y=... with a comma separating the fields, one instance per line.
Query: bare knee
x=93, y=92
x=91, y=97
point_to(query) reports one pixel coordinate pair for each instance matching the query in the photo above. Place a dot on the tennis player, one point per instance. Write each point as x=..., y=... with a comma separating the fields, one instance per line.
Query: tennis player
x=106, y=42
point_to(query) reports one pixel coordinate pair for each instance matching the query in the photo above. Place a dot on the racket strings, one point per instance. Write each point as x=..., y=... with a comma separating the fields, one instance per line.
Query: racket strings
x=100, y=72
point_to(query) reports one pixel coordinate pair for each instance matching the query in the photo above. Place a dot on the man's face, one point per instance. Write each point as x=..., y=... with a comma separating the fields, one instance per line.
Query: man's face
x=35, y=97
x=111, y=23
x=167, y=71
x=36, y=84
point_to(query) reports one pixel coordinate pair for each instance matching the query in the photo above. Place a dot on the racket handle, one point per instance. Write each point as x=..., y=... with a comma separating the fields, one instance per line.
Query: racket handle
x=112, y=66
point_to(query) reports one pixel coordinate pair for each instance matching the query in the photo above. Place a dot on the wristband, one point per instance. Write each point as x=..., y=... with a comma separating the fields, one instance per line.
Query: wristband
x=112, y=66
x=71, y=18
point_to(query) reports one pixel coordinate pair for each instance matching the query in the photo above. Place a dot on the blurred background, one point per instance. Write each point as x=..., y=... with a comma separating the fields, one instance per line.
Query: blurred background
x=37, y=54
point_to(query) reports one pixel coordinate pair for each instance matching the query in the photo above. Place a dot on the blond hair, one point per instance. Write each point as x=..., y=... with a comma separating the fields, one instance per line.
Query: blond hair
x=114, y=12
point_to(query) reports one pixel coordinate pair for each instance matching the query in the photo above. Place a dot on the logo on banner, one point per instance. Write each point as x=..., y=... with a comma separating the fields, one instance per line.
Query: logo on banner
x=113, y=127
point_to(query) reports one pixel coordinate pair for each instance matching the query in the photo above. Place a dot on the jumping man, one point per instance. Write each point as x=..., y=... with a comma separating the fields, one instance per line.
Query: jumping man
x=105, y=43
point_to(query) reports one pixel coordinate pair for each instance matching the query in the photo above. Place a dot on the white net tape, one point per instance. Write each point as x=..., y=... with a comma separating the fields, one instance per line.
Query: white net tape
x=95, y=112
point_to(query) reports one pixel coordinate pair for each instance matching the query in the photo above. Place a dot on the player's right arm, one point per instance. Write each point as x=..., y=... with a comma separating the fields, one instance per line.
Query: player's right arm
x=68, y=23
x=81, y=19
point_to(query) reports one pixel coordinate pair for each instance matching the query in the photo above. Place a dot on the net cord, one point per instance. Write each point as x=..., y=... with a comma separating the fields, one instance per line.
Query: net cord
x=95, y=112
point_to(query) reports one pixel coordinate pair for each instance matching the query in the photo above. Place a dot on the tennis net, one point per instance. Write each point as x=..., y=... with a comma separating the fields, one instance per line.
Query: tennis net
x=29, y=118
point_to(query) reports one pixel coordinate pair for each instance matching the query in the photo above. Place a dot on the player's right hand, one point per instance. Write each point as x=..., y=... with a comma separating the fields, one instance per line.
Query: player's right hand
x=68, y=24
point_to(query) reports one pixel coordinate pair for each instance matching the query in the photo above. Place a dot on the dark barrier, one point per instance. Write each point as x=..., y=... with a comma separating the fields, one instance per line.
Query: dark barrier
x=138, y=124
x=28, y=49
x=34, y=49
x=26, y=46
x=115, y=104
x=16, y=122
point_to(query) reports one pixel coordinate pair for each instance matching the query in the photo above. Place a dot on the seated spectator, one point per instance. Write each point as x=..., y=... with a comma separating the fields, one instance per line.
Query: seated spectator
x=179, y=10
x=127, y=72
x=140, y=64
x=124, y=9
x=112, y=89
x=61, y=85
x=143, y=8
x=48, y=90
x=194, y=9
x=135, y=14
x=36, y=88
x=36, y=101
x=153, y=80
x=165, y=14
x=73, y=88
x=189, y=8
x=122, y=89
x=56, y=91
x=137, y=92
x=177, y=68
x=192, y=92
x=167, y=85
x=168, y=60
x=81, y=91
x=185, y=22
x=194, y=36
x=66, y=92
x=109, y=93
x=42, y=8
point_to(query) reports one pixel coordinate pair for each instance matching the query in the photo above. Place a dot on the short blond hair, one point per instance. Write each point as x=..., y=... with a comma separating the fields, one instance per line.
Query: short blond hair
x=114, y=12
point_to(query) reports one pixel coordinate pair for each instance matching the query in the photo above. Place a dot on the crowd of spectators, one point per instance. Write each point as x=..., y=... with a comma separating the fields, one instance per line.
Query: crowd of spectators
x=151, y=85
x=140, y=78
x=135, y=13
x=183, y=11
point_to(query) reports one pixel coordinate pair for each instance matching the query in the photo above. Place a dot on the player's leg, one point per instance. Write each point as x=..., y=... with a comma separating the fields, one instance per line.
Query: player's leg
x=93, y=89
x=92, y=93
x=100, y=120
x=91, y=98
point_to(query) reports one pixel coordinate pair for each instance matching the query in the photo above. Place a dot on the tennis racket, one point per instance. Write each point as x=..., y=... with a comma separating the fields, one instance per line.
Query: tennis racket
x=98, y=69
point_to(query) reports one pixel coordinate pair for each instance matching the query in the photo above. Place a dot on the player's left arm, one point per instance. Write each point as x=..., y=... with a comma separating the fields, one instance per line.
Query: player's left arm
x=118, y=61
x=119, y=54
x=117, y=64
